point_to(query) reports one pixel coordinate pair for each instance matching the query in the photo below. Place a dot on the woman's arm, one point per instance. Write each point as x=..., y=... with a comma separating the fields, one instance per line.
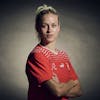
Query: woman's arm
x=69, y=89
x=75, y=91
x=59, y=89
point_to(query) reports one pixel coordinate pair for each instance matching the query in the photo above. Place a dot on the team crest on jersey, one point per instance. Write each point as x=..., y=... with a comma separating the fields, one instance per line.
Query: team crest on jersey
x=62, y=65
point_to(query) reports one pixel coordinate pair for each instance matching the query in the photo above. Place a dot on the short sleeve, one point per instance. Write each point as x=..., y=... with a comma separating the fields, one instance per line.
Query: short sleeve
x=39, y=67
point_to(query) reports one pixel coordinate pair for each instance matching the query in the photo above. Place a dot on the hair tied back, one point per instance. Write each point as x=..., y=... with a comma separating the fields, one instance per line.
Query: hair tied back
x=44, y=7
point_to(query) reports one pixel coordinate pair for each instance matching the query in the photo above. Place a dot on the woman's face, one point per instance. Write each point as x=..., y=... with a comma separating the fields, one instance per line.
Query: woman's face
x=49, y=28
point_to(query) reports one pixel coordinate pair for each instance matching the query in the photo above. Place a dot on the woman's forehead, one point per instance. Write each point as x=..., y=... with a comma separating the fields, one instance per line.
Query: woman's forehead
x=50, y=17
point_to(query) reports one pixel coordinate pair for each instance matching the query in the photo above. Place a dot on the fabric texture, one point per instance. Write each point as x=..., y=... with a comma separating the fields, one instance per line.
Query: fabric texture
x=41, y=65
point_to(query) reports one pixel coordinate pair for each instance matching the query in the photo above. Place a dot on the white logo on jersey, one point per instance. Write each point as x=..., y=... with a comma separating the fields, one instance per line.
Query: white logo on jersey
x=62, y=65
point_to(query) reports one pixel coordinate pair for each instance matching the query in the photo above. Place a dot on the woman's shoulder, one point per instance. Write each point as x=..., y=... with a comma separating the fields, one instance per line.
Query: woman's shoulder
x=63, y=53
x=35, y=53
x=39, y=51
x=36, y=49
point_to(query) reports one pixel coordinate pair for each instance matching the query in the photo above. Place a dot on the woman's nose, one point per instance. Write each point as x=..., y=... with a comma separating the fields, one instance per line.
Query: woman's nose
x=49, y=29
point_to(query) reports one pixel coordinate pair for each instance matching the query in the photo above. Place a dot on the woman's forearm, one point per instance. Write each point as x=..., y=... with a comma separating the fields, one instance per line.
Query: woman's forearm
x=60, y=89
x=75, y=91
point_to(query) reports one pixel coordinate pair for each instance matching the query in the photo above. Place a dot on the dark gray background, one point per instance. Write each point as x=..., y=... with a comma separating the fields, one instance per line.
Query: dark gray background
x=79, y=37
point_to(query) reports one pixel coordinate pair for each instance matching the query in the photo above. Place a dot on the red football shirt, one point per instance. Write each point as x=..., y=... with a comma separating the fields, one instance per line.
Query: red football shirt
x=41, y=65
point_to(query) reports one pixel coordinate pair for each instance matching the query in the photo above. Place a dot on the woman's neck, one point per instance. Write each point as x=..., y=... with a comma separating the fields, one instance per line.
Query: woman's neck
x=50, y=46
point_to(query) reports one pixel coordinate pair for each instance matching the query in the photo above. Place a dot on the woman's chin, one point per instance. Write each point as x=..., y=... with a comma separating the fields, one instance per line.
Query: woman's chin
x=50, y=40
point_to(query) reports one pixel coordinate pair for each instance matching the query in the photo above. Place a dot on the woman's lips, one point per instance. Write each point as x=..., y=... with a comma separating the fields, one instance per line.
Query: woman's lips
x=50, y=35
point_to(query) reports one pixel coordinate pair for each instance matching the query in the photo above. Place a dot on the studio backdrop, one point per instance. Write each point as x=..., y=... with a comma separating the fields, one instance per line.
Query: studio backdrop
x=79, y=37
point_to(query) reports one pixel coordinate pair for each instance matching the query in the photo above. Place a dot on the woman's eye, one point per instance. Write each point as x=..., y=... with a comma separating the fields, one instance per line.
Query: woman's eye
x=43, y=26
x=54, y=25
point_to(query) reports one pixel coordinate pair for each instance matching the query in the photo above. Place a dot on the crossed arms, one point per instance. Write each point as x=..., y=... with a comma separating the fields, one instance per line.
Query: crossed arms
x=69, y=89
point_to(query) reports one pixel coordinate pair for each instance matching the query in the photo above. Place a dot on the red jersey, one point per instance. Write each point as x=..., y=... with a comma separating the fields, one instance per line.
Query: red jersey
x=41, y=65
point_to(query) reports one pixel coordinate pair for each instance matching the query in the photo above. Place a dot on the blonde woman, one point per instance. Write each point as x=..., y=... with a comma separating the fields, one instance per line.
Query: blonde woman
x=49, y=71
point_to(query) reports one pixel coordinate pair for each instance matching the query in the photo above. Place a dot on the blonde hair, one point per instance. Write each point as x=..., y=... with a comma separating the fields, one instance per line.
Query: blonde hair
x=44, y=7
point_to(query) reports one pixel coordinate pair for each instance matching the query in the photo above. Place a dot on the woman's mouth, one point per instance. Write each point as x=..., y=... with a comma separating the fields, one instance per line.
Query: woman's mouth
x=50, y=35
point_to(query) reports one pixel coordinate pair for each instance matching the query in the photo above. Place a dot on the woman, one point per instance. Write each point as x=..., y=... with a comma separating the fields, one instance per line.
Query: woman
x=49, y=71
